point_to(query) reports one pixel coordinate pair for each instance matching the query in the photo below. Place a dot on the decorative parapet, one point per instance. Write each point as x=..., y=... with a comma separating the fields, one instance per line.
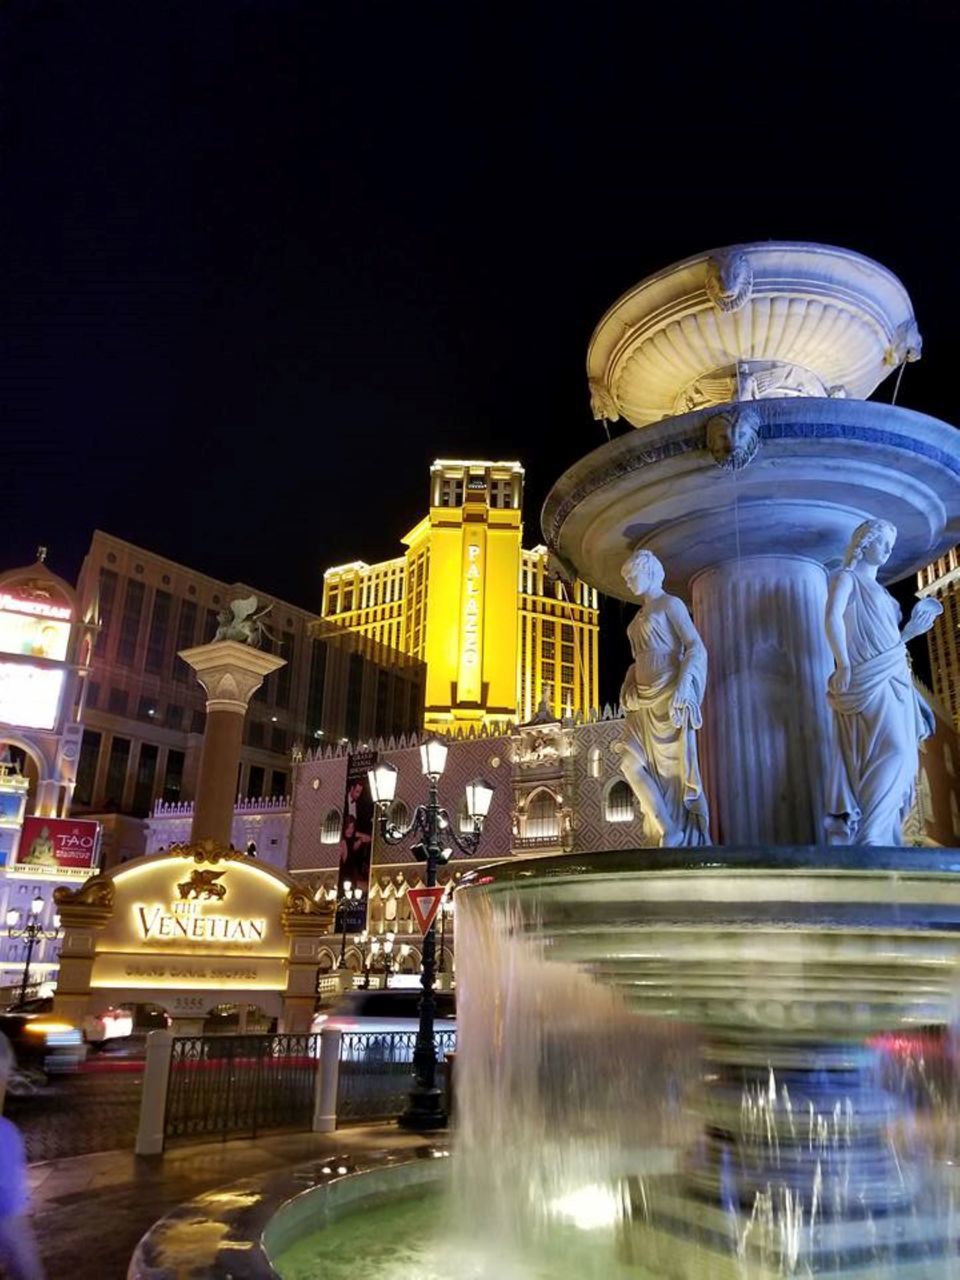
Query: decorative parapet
x=250, y=804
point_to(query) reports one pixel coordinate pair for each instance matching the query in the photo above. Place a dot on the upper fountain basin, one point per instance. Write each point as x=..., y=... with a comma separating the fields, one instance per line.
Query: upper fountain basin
x=747, y=322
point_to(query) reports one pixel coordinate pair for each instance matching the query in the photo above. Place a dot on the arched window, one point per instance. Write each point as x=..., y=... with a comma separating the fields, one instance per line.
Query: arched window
x=543, y=821
x=948, y=759
x=330, y=831
x=593, y=762
x=618, y=806
x=400, y=814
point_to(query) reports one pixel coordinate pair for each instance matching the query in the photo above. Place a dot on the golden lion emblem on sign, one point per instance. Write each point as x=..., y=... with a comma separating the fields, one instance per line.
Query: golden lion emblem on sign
x=203, y=884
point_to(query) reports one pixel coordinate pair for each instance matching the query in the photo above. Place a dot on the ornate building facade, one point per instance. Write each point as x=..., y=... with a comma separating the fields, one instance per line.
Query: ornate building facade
x=46, y=641
x=941, y=579
x=497, y=628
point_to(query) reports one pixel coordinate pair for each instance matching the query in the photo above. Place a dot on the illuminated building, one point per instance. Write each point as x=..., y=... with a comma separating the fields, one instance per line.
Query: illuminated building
x=941, y=579
x=497, y=628
x=45, y=647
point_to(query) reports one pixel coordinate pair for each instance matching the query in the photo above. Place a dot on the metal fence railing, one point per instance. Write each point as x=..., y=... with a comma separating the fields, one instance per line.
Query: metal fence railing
x=376, y=1072
x=239, y=1086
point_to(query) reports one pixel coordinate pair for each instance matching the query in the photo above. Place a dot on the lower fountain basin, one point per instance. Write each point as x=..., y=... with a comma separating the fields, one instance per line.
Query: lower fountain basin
x=830, y=944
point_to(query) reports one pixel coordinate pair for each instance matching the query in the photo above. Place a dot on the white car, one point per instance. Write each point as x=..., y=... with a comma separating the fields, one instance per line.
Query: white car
x=112, y=1024
x=376, y=1014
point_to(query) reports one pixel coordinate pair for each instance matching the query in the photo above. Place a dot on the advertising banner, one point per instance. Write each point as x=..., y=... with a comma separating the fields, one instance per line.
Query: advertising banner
x=58, y=847
x=32, y=636
x=356, y=838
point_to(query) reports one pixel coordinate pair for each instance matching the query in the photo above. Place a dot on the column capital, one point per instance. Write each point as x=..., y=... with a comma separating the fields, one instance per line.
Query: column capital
x=230, y=672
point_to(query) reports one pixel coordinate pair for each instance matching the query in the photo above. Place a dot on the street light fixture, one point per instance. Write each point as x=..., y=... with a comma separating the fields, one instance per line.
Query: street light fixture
x=433, y=825
x=33, y=931
x=350, y=895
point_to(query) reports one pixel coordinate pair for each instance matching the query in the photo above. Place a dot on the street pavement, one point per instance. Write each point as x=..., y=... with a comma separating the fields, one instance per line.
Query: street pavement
x=90, y=1211
x=78, y=1114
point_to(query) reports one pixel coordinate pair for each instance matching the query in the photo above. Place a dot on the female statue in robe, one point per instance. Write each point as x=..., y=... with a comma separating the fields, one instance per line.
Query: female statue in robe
x=661, y=696
x=880, y=717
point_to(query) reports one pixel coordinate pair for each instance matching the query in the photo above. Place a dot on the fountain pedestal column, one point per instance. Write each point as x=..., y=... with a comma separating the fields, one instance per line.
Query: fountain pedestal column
x=767, y=733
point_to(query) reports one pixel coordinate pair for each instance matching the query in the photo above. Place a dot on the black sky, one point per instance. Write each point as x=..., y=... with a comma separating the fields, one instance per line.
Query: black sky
x=264, y=260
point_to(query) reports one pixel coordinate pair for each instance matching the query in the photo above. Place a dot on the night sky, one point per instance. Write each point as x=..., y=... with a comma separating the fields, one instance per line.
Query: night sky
x=263, y=261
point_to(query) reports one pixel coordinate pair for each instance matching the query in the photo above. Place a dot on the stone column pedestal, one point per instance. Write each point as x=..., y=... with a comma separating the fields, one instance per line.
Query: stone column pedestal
x=305, y=923
x=230, y=673
x=767, y=731
x=83, y=913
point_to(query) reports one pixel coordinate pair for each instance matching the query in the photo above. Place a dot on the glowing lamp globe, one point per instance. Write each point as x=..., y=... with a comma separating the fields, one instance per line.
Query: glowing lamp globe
x=383, y=783
x=433, y=757
x=479, y=797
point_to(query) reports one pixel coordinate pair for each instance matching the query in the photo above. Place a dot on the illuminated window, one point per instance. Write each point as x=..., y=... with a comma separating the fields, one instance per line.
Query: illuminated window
x=501, y=493
x=593, y=762
x=451, y=491
x=619, y=803
x=399, y=814
x=330, y=831
x=543, y=820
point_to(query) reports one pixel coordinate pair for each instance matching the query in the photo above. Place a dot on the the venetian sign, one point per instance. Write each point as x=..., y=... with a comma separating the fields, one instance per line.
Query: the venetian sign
x=179, y=924
x=187, y=919
x=184, y=920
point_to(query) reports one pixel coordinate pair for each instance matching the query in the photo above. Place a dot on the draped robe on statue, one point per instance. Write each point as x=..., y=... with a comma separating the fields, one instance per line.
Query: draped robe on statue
x=659, y=755
x=881, y=720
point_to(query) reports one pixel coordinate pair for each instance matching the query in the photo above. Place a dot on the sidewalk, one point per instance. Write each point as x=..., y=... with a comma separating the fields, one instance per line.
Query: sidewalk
x=90, y=1211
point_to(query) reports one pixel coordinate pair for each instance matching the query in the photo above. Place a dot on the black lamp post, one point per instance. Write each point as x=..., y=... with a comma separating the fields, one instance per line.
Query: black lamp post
x=432, y=823
x=350, y=896
x=33, y=931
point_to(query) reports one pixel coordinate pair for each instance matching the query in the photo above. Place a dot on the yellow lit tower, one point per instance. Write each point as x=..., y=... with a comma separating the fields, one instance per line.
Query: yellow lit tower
x=496, y=630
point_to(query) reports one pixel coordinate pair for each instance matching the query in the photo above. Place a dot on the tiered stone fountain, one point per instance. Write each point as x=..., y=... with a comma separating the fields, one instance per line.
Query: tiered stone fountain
x=756, y=456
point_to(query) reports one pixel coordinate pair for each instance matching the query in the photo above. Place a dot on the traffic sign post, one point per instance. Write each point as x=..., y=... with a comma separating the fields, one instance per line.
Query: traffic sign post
x=425, y=903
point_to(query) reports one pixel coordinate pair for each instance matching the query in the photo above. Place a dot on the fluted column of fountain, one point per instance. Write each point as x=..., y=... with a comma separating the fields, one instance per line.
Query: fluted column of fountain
x=761, y=619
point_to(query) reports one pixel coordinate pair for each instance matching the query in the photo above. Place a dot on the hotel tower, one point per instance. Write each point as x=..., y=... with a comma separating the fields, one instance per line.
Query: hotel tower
x=497, y=627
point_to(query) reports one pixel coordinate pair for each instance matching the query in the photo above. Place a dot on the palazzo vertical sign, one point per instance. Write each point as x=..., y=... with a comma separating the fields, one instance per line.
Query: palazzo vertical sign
x=469, y=675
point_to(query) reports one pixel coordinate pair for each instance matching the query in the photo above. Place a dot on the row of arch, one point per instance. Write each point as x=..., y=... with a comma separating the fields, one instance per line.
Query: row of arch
x=540, y=812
